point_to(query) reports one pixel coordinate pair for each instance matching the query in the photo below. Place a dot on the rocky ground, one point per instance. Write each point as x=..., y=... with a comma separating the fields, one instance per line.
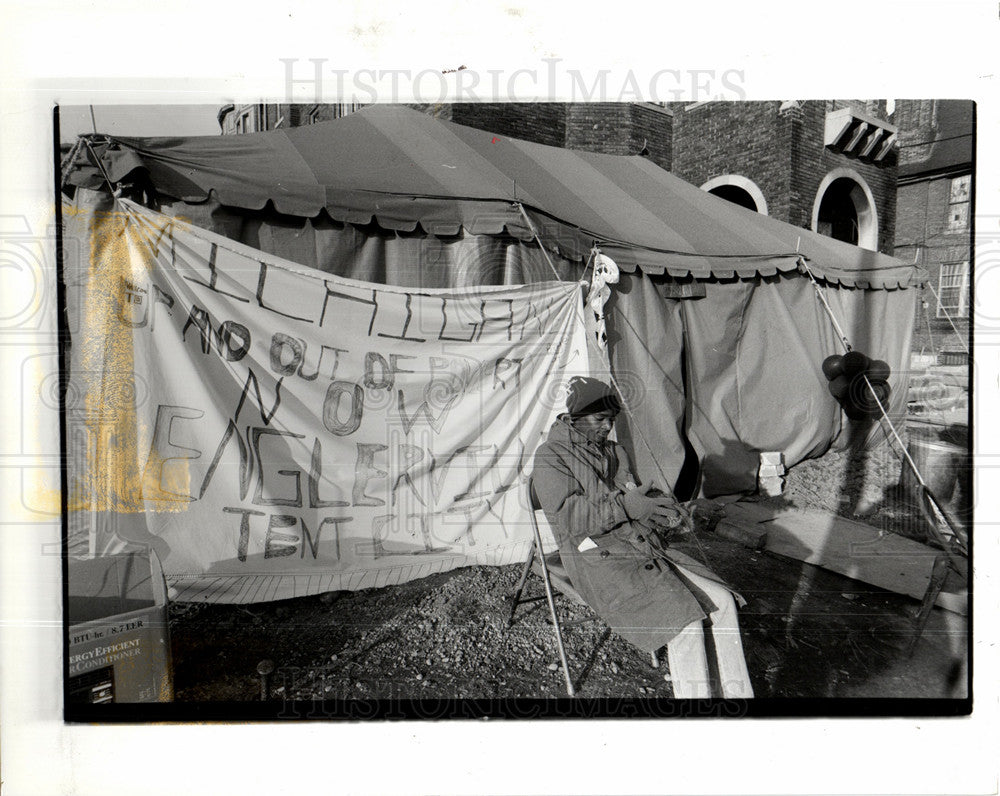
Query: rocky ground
x=807, y=632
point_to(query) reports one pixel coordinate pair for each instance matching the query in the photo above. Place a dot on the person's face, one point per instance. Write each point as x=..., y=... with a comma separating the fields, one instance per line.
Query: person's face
x=596, y=426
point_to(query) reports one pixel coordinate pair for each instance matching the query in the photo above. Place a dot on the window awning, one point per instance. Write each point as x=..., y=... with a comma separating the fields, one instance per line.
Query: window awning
x=853, y=133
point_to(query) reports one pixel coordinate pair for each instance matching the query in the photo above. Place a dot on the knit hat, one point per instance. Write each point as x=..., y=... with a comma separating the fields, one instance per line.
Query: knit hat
x=588, y=395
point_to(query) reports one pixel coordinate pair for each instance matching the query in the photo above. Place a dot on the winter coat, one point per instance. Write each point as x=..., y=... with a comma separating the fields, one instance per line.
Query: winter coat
x=626, y=573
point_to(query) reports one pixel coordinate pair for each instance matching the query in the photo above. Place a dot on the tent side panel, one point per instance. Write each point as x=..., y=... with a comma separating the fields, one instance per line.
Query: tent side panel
x=646, y=336
x=715, y=328
x=784, y=401
x=879, y=323
x=754, y=352
x=369, y=253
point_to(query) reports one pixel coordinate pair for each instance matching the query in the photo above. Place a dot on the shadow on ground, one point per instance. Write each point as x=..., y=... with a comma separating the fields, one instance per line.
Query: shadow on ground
x=807, y=633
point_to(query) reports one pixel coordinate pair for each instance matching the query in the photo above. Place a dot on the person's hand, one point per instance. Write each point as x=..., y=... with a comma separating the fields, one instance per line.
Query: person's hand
x=659, y=511
x=705, y=514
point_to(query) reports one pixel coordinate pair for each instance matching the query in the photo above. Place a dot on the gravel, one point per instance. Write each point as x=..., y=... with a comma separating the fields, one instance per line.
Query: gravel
x=446, y=636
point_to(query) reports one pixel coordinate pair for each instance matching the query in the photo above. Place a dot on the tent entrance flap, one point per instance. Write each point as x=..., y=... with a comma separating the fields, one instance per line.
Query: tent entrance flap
x=738, y=371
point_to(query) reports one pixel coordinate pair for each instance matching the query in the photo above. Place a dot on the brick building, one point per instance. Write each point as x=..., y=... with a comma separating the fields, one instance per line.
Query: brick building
x=611, y=127
x=935, y=215
x=614, y=128
x=829, y=166
x=823, y=165
x=255, y=118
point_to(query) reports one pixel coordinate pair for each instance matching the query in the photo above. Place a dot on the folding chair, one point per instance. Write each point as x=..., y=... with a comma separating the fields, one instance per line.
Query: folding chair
x=552, y=572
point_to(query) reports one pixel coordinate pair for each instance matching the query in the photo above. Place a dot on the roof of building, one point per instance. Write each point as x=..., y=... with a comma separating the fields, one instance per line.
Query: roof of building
x=952, y=146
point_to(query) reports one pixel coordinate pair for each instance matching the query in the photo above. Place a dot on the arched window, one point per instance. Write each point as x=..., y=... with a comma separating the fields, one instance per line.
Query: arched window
x=738, y=190
x=844, y=209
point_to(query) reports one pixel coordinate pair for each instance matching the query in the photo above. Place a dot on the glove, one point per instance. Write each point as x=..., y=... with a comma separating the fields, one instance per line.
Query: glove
x=660, y=512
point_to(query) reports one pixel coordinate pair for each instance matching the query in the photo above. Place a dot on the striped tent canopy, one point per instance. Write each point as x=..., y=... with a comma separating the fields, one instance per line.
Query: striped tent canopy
x=406, y=170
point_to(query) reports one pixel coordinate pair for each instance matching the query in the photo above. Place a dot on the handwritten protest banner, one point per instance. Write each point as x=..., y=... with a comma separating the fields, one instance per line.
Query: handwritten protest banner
x=274, y=431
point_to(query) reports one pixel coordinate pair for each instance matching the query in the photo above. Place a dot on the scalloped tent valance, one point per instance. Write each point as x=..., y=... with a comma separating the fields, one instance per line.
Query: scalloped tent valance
x=404, y=169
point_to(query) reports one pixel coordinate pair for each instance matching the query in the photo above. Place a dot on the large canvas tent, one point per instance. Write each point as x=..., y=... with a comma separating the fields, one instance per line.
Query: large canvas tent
x=392, y=196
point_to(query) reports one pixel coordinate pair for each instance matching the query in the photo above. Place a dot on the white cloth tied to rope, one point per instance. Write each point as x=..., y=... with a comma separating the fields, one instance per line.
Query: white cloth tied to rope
x=605, y=273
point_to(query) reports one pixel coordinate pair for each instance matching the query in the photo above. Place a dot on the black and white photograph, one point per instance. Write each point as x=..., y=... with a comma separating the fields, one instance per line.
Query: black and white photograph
x=485, y=402
x=374, y=404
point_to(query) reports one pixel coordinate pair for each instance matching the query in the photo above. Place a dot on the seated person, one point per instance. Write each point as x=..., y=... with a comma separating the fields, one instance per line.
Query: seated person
x=612, y=537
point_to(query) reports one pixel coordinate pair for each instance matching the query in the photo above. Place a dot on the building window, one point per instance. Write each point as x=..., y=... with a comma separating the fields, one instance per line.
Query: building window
x=244, y=121
x=838, y=216
x=958, y=204
x=737, y=196
x=953, y=291
x=342, y=109
x=739, y=190
x=844, y=209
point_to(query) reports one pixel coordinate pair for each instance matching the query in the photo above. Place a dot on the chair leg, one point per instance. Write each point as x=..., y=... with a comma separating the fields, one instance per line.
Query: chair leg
x=555, y=621
x=520, y=584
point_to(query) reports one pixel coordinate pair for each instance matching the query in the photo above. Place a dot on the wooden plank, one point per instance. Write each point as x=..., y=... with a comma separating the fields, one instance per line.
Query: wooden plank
x=849, y=548
x=752, y=536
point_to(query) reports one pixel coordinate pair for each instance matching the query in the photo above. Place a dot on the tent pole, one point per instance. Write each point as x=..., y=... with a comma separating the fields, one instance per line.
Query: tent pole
x=66, y=167
x=538, y=240
x=885, y=416
x=591, y=261
x=959, y=534
x=100, y=165
x=946, y=315
x=927, y=320
x=614, y=381
x=829, y=311
x=637, y=433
